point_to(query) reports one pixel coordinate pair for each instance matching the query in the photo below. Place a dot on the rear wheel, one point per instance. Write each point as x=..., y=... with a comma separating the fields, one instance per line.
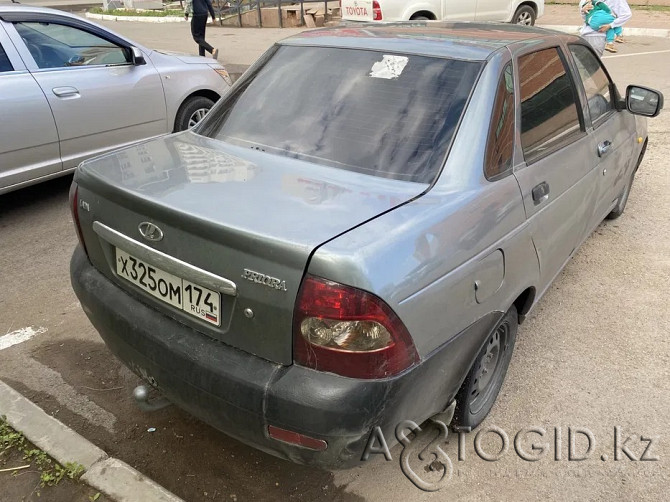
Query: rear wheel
x=192, y=111
x=482, y=385
x=524, y=15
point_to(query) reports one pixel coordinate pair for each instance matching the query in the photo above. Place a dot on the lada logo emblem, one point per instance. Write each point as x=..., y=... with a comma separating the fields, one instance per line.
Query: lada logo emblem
x=150, y=231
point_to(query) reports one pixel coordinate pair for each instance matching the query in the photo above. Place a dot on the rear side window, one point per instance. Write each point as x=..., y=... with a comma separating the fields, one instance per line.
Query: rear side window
x=549, y=115
x=5, y=65
x=388, y=115
x=500, y=147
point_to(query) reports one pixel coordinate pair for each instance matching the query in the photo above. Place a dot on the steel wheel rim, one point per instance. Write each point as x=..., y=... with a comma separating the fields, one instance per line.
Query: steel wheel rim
x=524, y=18
x=489, y=367
x=197, y=116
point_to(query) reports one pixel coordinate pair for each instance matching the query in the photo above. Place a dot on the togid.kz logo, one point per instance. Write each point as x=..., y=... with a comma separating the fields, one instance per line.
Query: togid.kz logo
x=531, y=444
x=431, y=455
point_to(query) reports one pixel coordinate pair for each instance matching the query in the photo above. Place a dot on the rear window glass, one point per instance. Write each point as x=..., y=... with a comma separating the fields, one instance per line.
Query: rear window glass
x=389, y=115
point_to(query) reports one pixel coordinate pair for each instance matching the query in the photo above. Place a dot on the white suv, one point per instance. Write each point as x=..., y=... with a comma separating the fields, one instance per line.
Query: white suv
x=511, y=11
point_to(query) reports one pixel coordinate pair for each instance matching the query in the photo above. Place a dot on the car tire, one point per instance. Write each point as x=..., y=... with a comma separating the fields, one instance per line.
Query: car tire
x=482, y=385
x=191, y=112
x=524, y=15
x=420, y=17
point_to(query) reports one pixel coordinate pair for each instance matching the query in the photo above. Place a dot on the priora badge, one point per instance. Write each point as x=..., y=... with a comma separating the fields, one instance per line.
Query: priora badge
x=150, y=231
x=267, y=280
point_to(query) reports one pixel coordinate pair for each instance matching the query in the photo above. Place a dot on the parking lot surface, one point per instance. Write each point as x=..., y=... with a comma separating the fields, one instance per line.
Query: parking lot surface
x=593, y=356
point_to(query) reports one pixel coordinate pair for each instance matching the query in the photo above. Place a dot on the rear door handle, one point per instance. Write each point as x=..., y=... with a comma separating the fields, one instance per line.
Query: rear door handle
x=65, y=92
x=540, y=193
x=604, y=147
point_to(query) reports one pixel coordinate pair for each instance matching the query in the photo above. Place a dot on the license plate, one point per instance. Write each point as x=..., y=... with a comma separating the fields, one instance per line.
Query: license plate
x=192, y=298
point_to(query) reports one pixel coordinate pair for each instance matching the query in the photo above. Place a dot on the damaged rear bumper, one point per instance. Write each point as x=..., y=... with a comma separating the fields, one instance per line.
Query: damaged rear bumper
x=242, y=394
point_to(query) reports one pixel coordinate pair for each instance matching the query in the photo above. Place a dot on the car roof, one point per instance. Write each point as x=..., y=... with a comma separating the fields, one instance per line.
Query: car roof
x=12, y=8
x=470, y=41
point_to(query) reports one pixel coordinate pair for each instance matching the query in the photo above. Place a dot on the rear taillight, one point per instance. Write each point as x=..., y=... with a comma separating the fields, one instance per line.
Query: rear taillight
x=376, y=11
x=74, y=207
x=348, y=331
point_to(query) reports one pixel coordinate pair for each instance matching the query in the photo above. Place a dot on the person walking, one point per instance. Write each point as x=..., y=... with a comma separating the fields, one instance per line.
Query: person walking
x=622, y=11
x=598, y=14
x=199, y=9
x=594, y=37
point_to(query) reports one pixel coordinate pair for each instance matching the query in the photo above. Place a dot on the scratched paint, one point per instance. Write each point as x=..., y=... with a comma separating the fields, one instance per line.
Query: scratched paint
x=19, y=336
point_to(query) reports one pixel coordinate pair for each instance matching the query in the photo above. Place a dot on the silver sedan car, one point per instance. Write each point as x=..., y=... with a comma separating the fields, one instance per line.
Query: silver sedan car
x=70, y=89
x=320, y=257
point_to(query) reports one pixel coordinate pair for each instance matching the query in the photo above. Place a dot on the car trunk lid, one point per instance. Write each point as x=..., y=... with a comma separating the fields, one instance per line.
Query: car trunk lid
x=241, y=215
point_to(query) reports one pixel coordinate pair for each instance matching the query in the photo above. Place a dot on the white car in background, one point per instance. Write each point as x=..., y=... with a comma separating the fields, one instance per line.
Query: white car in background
x=511, y=11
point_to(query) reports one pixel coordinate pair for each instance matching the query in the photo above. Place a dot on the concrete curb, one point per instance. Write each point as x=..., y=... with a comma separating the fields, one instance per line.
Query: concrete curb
x=628, y=32
x=109, y=475
x=141, y=19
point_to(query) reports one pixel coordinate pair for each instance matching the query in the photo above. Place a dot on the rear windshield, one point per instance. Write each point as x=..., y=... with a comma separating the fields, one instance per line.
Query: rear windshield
x=384, y=114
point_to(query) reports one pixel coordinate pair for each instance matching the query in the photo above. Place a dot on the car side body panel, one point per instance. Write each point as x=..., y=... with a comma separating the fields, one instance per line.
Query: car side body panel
x=27, y=148
x=582, y=190
x=495, y=10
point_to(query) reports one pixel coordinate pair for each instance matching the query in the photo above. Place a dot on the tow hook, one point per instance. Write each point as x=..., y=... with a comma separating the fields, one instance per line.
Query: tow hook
x=145, y=402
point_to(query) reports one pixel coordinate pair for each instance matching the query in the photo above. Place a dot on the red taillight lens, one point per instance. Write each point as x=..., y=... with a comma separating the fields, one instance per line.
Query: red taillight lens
x=74, y=207
x=376, y=11
x=348, y=331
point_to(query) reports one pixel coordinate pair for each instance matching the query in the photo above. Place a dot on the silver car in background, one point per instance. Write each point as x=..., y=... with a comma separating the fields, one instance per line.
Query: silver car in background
x=70, y=89
x=321, y=256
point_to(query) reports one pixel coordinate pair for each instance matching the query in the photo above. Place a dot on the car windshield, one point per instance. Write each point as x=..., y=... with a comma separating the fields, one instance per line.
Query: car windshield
x=379, y=113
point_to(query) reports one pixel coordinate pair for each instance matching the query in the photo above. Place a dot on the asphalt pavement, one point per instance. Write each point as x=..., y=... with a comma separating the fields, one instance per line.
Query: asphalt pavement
x=593, y=356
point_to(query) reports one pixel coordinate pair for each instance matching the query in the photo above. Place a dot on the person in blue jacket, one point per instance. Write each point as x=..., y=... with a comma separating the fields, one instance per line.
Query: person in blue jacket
x=199, y=9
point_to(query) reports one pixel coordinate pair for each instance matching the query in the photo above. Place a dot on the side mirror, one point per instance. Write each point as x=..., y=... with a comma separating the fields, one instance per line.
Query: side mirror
x=643, y=101
x=137, y=56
